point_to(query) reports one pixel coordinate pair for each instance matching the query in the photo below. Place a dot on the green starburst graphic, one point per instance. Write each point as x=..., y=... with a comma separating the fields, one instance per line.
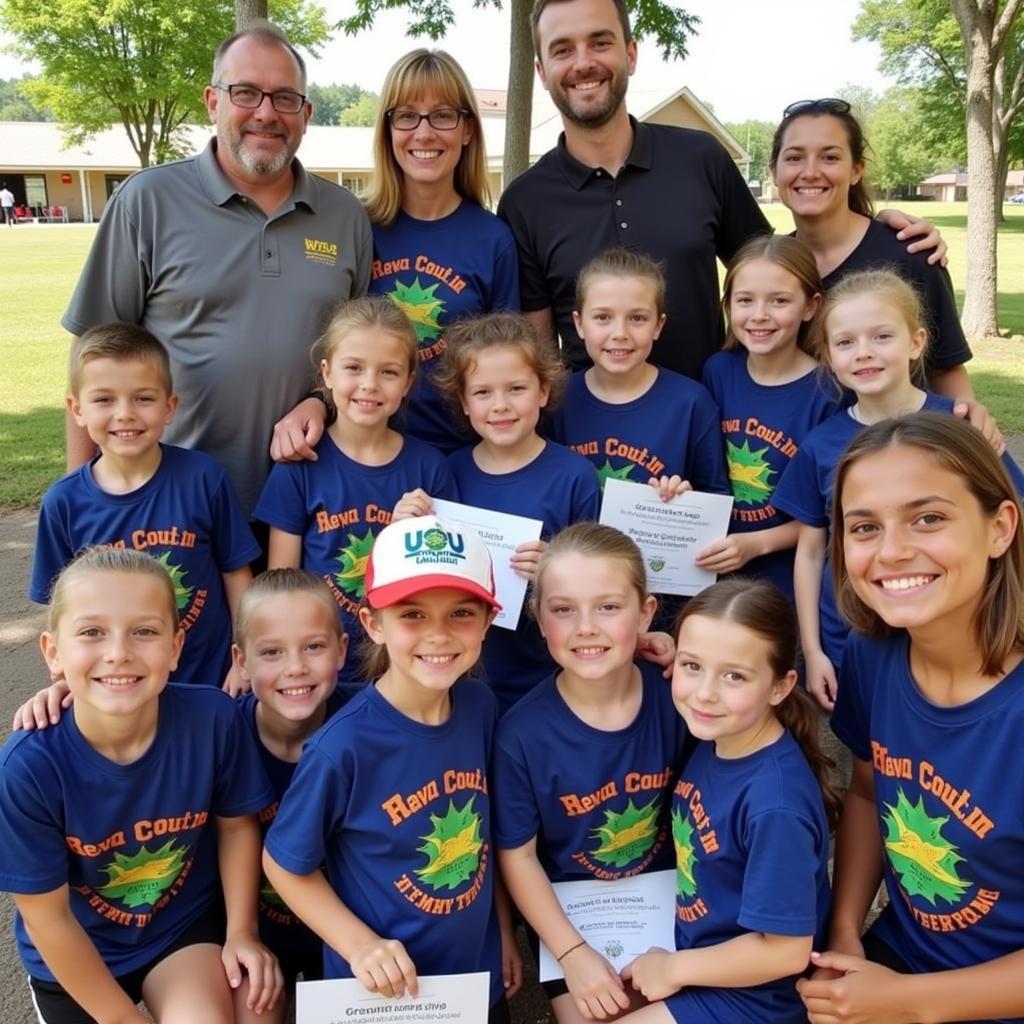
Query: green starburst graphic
x=182, y=594
x=421, y=306
x=682, y=839
x=142, y=878
x=922, y=857
x=608, y=472
x=749, y=473
x=628, y=835
x=352, y=559
x=453, y=848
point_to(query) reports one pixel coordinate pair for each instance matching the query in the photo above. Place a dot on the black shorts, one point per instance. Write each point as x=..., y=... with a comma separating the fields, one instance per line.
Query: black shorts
x=54, y=1006
x=309, y=963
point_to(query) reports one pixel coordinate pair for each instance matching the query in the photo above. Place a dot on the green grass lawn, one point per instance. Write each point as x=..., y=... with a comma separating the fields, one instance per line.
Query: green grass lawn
x=41, y=265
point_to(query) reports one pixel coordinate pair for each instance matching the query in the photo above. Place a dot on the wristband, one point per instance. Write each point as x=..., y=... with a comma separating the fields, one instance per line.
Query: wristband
x=582, y=942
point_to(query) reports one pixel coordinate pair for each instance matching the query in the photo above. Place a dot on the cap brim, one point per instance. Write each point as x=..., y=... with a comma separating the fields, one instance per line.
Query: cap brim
x=400, y=590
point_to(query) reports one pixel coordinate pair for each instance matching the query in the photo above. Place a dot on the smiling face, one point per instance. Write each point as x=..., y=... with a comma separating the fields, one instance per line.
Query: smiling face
x=815, y=168
x=916, y=542
x=619, y=322
x=767, y=307
x=428, y=156
x=584, y=62
x=724, y=686
x=292, y=654
x=503, y=397
x=368, y=375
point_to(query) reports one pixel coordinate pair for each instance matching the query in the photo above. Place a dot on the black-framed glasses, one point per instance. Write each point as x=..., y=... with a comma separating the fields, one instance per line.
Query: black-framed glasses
x=248, y=97
x=444, y=119
x=828, y=105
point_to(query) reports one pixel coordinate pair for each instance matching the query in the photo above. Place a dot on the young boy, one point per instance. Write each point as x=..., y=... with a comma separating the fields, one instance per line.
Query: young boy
x=177, y=505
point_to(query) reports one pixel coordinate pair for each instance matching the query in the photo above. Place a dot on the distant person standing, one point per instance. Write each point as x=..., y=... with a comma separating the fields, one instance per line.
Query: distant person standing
x=7, y=202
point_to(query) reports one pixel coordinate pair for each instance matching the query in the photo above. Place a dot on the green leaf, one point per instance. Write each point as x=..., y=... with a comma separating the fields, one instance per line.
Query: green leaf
x=353, y=559
x=142, y=878
x=453, y=848
x=682, y=839
x=628, y=835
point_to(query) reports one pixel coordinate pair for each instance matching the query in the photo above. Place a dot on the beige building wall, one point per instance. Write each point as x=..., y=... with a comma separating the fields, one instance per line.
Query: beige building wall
x=67, y=196
x=680, y=114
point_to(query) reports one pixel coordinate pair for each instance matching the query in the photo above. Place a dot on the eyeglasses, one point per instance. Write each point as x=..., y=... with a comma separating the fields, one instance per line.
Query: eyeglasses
x=829, y=105
x=444, y=119
x=248, y=97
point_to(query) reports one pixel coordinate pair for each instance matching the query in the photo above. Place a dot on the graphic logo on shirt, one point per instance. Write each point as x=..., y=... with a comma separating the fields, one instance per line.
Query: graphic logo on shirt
x=352, y=559
x=141, y=879
x=627, y=835
x=609, y=472
x=749, y=473
x=924, y=859
x=435, y=547
x=182, y=594
x=682, y=839
x=319, y=251
x=422, y=307
x=453, y=848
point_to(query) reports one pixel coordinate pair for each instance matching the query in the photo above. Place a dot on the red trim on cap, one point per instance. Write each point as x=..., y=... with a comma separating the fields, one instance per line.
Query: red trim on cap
x=392, y=593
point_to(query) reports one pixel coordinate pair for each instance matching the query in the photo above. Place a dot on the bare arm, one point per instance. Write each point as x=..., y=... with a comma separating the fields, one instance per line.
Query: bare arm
x=807, y=567
x=284, y=550
x=73, y=959
x=543, y=322
x=235, y=583
x=955, y=383
x=734, y=550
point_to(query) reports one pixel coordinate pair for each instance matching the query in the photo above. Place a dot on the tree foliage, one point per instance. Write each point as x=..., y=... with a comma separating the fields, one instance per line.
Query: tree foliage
x=901, y=155
x=330, y=102
x=756, y=138
x=15, y=104
x=140, y=65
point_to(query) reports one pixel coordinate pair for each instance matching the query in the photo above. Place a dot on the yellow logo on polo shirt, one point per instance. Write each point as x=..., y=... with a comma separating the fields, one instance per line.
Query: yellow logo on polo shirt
x=320, y=251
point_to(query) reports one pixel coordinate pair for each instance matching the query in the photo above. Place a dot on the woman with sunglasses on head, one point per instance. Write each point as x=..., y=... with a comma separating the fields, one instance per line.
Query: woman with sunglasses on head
x=437, y=252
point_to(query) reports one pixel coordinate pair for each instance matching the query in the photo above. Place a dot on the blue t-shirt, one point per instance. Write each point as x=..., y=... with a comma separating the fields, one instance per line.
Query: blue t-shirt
x=805, y=493
x=337, y=506
x=751, y=839
x=764, y=426
x=400, y=813
x=671, y=428
x=948, y=784
x=135, y=843
x=559, y=488
x=186, y=516
x=437, y=272
x=596, y=800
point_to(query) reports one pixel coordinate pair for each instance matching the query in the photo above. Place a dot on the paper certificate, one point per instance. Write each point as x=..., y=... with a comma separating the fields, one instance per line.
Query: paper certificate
x=620, y=919
x=502, y=533
x=447, y=998
x=669, y=534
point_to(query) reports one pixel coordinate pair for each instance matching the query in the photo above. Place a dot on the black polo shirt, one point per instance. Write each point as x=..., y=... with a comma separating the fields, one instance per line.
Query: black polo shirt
x=678, y=198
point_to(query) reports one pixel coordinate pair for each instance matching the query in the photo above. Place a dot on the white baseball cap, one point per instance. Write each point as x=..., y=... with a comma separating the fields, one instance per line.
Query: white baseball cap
x=425, y=553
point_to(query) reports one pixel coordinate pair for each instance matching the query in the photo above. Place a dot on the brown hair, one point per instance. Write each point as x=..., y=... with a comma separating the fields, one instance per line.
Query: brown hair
x=622, y=263
x=795, y=258
x=263, y=32
x=469, y=339
x=593, y=540
x=410, y=77
x=124, y=343
x=762, y=608
x=283, y=581
x=538, y=9
x=858, y=200
x=108, y=559
x=958, y=448
x=371, y=312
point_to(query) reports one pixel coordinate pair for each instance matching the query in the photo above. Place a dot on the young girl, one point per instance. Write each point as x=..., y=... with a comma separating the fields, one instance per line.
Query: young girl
x=748, y=820
x=392, y=792
x=115, y=819
x=633, y=420
x=600, y=724
x=770, y=395
x=873, y=340
x=323, y=515
x=501, y=376
x=928, y=561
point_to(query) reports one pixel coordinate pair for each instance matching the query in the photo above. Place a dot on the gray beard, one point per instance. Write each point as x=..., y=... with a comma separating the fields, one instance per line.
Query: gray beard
x=263, y=168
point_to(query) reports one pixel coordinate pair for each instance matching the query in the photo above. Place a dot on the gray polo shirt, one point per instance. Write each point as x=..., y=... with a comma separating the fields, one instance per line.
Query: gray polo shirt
x=237, y=297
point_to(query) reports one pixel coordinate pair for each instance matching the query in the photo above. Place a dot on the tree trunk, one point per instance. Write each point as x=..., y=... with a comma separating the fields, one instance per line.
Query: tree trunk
x=1001, y=161
x=520, y=94
x=248, y=11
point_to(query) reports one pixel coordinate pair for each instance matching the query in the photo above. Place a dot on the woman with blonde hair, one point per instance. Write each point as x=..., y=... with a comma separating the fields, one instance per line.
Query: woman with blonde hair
x=438, y=253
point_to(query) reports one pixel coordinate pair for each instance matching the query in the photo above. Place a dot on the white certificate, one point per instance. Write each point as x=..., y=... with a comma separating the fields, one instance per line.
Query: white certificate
x=451, y=998
x=620, y=919
x=670, y=534
x=502, y=533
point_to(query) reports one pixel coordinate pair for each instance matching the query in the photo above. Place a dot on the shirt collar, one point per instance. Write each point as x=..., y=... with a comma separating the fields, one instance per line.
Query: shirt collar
x=639, y=156
x=221, y=190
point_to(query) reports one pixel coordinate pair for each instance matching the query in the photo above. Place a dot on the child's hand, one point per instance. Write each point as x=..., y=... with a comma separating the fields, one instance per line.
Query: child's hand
x=511, y=962
x=243, y=953
x=730, y=553
x=669, y=487
x=851, y=947
x=527, y=555
x=593, y=984
x=863, y=992
x=235, y=683
x=651, y=975
x=44, y=708
x=659, y=649
x=384, y=966
x=412, y=503
x=821, y=679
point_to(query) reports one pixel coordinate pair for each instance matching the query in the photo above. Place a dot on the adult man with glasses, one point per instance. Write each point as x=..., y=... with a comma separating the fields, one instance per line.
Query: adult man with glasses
x=233, y=258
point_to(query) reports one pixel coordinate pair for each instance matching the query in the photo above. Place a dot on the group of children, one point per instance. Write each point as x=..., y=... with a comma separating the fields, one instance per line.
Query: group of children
x=430, y=790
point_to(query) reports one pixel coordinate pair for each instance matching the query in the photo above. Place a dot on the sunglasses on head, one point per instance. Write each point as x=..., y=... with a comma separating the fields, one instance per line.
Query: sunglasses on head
x=829, y=105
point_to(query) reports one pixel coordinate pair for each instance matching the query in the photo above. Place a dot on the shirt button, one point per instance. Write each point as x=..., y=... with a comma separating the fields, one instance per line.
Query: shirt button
x=269, y=253
x=597, y=173
x=618, y=202
x=623, y=225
